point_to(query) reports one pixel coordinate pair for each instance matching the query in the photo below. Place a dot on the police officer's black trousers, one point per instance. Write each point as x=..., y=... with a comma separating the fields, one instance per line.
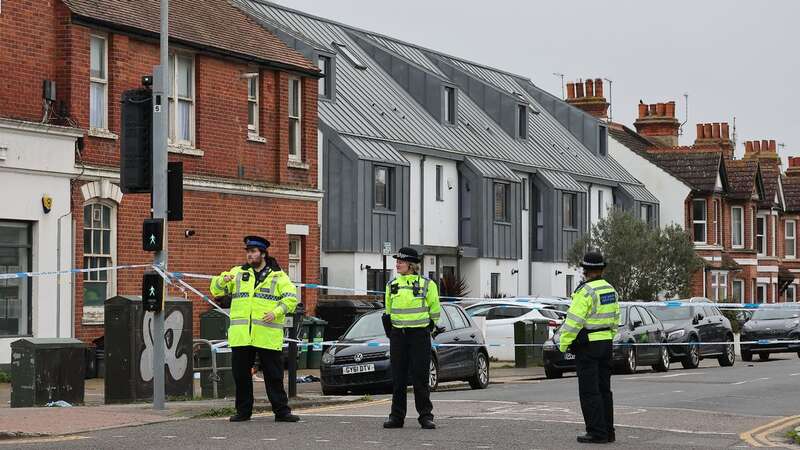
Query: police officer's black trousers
x=272, y=366
x=410, y=353
x=593, y=361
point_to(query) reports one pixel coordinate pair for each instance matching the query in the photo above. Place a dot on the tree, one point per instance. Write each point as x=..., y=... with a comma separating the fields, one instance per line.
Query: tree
x=642, y=261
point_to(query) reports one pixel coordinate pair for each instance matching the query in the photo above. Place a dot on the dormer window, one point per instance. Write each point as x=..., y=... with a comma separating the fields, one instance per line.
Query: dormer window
x=350, y=56
x=449, y=100
x=325, y=64
x=522, y=121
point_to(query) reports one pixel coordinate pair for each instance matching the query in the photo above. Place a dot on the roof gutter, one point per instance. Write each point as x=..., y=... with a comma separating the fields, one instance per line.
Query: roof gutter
x=138, y=32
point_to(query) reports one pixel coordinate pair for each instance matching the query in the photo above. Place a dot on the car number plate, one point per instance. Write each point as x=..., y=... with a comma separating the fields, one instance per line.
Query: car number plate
x=569, y=356
x=361, y=368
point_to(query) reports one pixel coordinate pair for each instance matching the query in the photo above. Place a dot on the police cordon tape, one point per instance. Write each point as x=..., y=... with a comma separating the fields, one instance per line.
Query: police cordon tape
x=319, y=345
x=548, y=301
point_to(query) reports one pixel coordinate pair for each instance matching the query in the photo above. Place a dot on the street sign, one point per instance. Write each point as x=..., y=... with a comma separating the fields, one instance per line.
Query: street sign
x=387, y=248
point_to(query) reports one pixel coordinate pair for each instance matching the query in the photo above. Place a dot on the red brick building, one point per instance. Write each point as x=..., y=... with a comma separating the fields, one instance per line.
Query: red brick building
x=736, y=211
x=243, y=120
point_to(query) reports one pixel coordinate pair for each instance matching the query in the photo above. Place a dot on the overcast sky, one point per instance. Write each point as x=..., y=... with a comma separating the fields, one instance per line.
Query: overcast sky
x=734, y=58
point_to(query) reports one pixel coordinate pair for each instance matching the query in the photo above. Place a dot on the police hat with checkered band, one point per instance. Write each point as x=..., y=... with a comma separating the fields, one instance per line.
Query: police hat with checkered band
x=593, y=260
x=408, y=254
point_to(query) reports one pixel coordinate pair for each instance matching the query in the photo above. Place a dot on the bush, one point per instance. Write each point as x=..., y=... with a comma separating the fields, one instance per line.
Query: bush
x=794, y=435
x=5, y=377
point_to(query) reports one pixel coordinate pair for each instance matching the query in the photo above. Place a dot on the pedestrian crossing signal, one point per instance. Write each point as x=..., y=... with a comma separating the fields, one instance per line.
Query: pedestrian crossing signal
x=152, y=291
x=153, y=235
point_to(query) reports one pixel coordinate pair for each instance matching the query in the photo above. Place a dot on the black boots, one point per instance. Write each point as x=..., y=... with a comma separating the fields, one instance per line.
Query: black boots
x=238, y=418
x=392, y=423
x=427, y=424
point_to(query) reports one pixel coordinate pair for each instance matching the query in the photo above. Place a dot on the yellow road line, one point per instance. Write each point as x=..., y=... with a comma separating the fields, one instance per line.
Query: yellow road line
x=757, y=437
x=23, y=441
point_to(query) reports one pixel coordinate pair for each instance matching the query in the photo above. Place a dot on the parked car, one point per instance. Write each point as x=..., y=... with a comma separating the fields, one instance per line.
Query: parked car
x=773, y=323
x=500, y=318
x=636, y=325
x=357, y=365
x=697, y=324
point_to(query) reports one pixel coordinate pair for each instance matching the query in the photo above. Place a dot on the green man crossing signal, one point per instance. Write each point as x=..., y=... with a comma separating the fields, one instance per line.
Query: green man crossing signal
x=152, y=291
x=153, y=235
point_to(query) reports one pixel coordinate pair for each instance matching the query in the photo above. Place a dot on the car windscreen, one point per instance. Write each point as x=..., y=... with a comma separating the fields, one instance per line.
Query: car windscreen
x=667, y=313
x=551, y=314
x=368, y=326
x=623, y=315
x=479, y=310
x=775, y=313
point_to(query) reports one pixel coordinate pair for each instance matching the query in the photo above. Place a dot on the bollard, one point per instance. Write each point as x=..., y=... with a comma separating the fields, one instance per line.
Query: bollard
x=294, y=327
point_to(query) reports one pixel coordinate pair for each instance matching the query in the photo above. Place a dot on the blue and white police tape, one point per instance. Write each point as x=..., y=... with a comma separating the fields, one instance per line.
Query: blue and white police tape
x=12, y=275
x=534, y=299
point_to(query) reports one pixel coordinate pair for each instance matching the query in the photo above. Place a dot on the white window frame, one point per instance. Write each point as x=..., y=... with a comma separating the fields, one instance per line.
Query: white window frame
x=296, y=260
x=760, y=286
x=111, y=287
x=439, y=183
x=600, y=204
x=738, y=285
x=774, y=228
x=741, y=227
x=325, y=84
x=174, y=100
x=449, y=99
x=719, y=285
x=717, y=224
x=695, y=221
x=295, y=121
x=761, y=250
x=96, y=80
x=253, y=101
x=793, y=297
x=792, y=238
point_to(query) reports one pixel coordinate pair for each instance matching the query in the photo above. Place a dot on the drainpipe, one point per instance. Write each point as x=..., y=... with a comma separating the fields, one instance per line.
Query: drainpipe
x=422, y=201
x=58, y=277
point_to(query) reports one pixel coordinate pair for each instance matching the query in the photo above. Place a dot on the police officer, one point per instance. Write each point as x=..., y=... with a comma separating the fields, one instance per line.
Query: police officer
x=588, y=332
x=412, y=305
x=262, y=296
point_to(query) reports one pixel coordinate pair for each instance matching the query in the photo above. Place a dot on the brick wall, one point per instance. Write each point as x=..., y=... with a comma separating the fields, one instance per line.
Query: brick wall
x=40, y=42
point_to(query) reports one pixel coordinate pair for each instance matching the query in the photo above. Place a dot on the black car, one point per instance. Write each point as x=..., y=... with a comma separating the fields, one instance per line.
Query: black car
x=773, y=326
x=699, y=325
x=636, y=326
x=361, y=362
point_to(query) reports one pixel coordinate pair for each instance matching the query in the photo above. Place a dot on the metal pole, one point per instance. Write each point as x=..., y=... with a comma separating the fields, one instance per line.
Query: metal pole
x=160, y=127
x=294, y=332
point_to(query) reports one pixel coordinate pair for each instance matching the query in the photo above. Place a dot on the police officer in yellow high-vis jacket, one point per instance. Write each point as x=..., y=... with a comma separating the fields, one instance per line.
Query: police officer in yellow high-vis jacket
x=412, y=305
x=262, y=296
x=588, y=332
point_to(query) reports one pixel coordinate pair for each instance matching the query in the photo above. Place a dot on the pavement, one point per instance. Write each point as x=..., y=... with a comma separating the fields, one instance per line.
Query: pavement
x=747, y=405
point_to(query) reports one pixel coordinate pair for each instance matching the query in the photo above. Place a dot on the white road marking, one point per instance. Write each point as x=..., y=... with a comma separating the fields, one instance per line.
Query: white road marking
x=676, y=392
x=427, y=444
x=269, y=439
x=323, y=440
x=118, y=437
x=748, y=381
x=371, y=442
x=345, y=422
x=219, y=438
x=168, y=437
x=794, y=374
x=672, y=375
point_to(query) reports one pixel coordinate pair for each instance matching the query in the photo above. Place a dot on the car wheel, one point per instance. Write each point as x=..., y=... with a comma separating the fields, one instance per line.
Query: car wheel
x=747, y=356
x=763, y=356
x=481, y=378
x=630, y=361
x=552, y=372
x=692, y=359
x=663, y=362
x=433, y=375
x=729, y=356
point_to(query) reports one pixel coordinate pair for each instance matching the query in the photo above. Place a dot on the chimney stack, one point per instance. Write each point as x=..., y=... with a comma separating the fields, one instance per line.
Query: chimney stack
x=762, y=150
x=794, y=167
x=715, y=135
x=657, y=123
x=591, y=99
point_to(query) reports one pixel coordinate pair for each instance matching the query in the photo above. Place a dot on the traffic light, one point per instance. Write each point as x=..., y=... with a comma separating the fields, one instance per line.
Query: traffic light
x=152, y=291
x=136, y=141
x=153, y=235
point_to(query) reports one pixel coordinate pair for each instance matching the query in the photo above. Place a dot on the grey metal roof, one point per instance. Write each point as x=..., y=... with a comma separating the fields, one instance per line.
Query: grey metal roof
x=489, y=168
x=638, y=193
x=560, y=180
x=372, y=150
x=369, y=103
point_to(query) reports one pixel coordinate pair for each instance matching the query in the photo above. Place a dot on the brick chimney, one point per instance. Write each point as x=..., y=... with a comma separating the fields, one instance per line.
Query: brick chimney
x=657, y=123
x=715, y=135
x=591, y=100
x=762, y=150
x=794, y=167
